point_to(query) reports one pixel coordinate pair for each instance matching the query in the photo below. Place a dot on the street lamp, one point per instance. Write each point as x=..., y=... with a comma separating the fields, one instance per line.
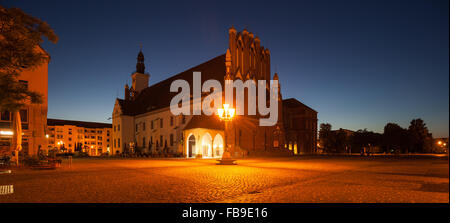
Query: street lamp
x=226, y=114
x=61, y=145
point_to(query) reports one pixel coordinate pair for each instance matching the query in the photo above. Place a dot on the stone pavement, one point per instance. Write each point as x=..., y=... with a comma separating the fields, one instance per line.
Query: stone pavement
x=292, y=179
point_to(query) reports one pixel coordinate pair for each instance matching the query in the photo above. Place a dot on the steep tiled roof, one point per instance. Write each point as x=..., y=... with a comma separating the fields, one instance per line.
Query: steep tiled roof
x=293, y=103
x=60, y=122
x=159, y=96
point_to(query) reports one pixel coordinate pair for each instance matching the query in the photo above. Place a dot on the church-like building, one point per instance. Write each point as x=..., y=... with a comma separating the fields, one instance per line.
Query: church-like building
x=143, y=122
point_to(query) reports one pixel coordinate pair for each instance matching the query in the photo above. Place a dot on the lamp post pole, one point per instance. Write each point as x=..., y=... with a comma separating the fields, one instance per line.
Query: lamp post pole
x=226, y=114
x=225, y=136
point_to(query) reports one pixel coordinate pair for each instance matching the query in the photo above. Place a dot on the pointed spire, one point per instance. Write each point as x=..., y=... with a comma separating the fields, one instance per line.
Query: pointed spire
x=228, y=62
x=232, y=29
x=275, y=77
x=140, y=67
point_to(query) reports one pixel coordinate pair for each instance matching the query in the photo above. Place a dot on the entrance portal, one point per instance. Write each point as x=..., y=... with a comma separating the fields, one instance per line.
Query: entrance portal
x=207, y=146
x=218, y=146
x=191, y=146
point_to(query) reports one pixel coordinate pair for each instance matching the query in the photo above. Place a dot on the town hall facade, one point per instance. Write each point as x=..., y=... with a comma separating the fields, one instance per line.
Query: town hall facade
x=143, y=122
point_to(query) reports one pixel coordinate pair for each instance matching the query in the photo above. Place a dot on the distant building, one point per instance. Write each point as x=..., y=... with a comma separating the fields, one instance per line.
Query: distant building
x=142, y=119
x=300, y=123
x=347, y=132
x=91, y=137
x=33, y=116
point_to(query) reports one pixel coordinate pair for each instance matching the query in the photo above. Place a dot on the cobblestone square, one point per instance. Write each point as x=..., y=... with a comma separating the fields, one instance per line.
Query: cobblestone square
x=285, y=180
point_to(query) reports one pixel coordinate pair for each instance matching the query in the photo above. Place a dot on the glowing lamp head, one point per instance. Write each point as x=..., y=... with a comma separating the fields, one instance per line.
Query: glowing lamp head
x=231, y=112
x=226, y=113
x=220, y=112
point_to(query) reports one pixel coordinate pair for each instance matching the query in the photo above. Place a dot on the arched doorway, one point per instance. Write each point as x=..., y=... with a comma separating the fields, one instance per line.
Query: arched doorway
x=218, y=146
x=191, y=146
x=207, y=145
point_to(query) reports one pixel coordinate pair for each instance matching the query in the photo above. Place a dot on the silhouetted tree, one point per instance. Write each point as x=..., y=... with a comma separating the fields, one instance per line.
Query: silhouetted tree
x=364, y=139
x=325, y=136
x=339, y=141
x=395, y=138
x=420, y=138
x=20, y=36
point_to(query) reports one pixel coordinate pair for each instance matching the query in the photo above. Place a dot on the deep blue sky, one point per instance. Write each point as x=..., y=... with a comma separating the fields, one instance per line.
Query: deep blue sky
x=360, y=64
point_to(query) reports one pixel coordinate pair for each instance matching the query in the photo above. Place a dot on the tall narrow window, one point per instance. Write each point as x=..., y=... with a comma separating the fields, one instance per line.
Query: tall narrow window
x=6, y=116
x=23, y=115
x=161, y=123
x=171, y=139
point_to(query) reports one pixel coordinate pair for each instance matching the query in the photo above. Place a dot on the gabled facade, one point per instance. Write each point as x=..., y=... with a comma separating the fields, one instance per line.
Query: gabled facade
x=142, y=120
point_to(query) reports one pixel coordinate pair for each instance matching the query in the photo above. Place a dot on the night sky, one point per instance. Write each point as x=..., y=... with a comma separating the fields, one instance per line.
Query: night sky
x=360, y=64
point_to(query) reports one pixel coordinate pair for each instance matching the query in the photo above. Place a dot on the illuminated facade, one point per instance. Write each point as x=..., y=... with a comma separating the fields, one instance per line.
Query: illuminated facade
x=33, y=116
x=142, y=119
x=69, y=136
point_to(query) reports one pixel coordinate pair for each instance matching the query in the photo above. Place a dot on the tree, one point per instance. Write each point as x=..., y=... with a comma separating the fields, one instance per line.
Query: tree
x=20, y=39
x=395, y=138
x=339, y=141
x=364, y=139
x=324, y=135
x=420, y=138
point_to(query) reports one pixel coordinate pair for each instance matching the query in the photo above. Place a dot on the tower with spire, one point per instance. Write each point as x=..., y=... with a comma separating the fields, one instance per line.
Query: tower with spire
x=139, y=78
x=140, y=66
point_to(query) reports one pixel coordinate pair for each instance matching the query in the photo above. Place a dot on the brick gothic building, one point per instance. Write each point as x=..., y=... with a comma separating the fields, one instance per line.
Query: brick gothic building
x=142, y=120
